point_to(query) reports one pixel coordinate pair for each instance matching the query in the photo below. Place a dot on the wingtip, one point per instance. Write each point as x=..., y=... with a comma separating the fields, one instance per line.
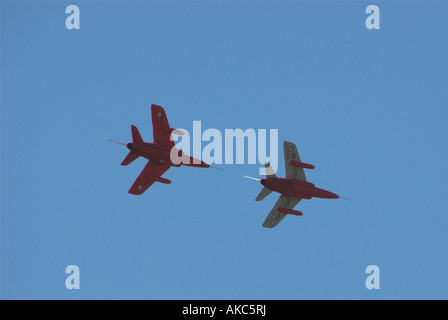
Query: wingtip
x=156, y=107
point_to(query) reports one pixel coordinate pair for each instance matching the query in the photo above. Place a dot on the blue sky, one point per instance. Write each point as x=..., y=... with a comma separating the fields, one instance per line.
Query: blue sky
x=366, y=107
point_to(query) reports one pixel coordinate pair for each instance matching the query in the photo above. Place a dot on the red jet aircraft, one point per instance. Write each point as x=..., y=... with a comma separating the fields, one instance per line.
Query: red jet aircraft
x=158, y=153
x=293, y=188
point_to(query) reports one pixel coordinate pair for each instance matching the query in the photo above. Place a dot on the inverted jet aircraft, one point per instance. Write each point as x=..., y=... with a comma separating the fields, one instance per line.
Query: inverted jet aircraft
x=293, y=188
x=158, y=153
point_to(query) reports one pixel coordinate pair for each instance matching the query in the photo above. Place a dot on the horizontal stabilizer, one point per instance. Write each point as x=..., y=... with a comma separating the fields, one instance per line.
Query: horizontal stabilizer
x=129, y=158
x=269, y=171
x=136, y=137
x=263, y=194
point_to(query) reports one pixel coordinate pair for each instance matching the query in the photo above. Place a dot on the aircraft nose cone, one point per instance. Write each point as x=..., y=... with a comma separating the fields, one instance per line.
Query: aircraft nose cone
x=332, y=195
x=263, y=181
x=129, y=146
x=326, y=194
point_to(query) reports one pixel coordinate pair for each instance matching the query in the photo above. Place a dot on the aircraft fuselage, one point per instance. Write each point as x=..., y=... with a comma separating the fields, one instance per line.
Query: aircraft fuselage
x=297, y=188
x=162, y=154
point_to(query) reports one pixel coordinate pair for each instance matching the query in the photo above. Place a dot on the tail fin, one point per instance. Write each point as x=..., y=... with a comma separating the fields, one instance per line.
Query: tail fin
x=263, y=194
x=129, y=158
x=136, y=137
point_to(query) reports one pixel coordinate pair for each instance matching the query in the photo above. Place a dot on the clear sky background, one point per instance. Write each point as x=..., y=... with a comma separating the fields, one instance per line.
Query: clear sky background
x=367, y=107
